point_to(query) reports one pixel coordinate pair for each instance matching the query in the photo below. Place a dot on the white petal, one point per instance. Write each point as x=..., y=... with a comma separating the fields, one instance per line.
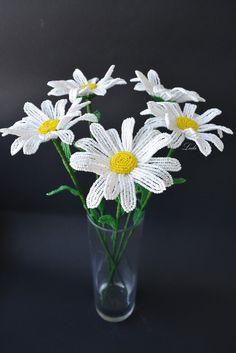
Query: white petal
x=73, y=93
x=143, y=136
x=59, y=109
x=113, y=82
x=31, y=146
x=112, y=188
x=128, y=193
x=156, y=122
x=48, y=109
x=90, y=162
x=96, y=192
x=181, y=95
x=79, y=77
x=61, y=87
x=167, y=163
x=208, y=116
x=89, y=145
x=99, y=90
x=154, y=145
x=115, y=139
x=203, y=145
x=86, y=117
x=127, y=129
x=65, y=136
x=210, y=127
x=159, y=172
x=214, y=139
x=17, y=145
x=148, y=180
x=153, y=77
x=176, y=139
x=189, y=110
x=103, y=138
x=32, y=111
x=146, y=83
x=139, y=87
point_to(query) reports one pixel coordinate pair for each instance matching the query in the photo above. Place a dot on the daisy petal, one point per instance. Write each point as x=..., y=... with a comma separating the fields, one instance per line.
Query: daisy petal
x=89, y=145
x=65, y=136
x=17, y=145
x=214, y=139
x=176, y=139
x=32, y=111
x=154, y=145
x=115, y=138
x=156, y=122
x=111, y=189
x=159, y=172
x=210, y=127
x=31, y=146
x=189, y=110
x=95, y=194
x=89, y=162
x=203, y=145
x=86, y=117
x=103, y=138
x=153, y=77
x=59, y=109
x=148, y=180
x=167, y=163
x=47, y=109
x=207, y=116
x=79, y=77
x=127, y=129
x=127, y=193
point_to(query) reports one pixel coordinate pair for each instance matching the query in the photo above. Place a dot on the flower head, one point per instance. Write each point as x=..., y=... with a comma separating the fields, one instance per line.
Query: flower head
x=49, y=122
x=122, y=162
x=186, y=124
x=80, y=86
x=152, y=85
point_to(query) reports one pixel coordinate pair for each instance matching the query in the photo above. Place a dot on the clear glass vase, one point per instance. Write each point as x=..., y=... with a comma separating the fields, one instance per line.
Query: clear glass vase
x=114, y=256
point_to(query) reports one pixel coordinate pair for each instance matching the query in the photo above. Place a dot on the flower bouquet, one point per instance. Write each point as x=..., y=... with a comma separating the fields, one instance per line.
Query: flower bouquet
x=126, y=167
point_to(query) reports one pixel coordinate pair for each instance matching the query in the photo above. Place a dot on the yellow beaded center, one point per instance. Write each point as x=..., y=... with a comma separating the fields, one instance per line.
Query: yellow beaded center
x=90, y=85
x=48, y=126
x=184, y=122
x=123, y=163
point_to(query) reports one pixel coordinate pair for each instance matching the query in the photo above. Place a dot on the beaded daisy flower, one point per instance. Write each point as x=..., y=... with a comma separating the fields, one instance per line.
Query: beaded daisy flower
x=186, y=124
x=80, y=86
x=152, y=85
x=49, y=122
x=122, y=162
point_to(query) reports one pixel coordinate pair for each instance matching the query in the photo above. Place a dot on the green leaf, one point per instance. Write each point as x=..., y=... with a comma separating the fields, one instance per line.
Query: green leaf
x=138, y=214
x=63, y=188
x=109, y=220
x=178, y=181
x=66, y=150
x=98, y=115
x=157, y=99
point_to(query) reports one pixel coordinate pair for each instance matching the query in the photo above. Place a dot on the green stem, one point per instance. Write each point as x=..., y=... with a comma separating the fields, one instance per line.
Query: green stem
x=88, y=108
x=70, y=171
x=171, y=152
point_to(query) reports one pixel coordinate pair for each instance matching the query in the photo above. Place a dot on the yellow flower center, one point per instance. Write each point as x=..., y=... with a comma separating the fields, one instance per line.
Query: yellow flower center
x=90, y=85
x=186, y=123
x=123, y=163
x=48, y=126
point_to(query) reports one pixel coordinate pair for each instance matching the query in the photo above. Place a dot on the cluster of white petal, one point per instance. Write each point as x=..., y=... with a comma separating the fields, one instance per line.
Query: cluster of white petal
x=166, y=115
x=150, y=172
x=28, y=128
x=152, y=85
x=80, y=86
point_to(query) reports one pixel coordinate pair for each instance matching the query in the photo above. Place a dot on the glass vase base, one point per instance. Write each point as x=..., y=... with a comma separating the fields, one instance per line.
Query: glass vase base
x=115, y=318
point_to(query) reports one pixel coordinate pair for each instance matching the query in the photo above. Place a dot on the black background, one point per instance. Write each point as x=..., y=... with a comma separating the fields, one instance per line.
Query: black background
x=186, y=294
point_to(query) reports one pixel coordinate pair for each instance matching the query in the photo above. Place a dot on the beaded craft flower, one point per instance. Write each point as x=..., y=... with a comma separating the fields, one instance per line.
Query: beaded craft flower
x=80, y=86
x=186, y=124
x=122, y=162
x=49, y=122
x=152, y=85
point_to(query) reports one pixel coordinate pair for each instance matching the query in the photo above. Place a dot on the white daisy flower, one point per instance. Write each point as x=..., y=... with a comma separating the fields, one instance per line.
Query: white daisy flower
x=120, y=163
x=152, y=85
x=80, y=86
x=49, y=122
x=186, y=124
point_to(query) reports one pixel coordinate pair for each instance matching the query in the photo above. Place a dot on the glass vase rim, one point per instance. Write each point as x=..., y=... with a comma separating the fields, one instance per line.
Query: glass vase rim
x=110, y=230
